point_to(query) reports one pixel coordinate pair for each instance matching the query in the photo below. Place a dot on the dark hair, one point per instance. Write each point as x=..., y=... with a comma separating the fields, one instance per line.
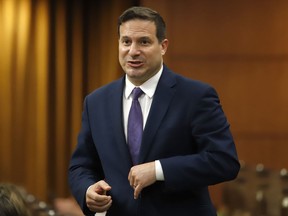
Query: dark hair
x=144, y=13
x=12, y=202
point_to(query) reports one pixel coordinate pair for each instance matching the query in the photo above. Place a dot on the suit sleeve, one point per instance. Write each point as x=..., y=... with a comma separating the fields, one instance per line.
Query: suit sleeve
x=85, y=167
x=215, y=159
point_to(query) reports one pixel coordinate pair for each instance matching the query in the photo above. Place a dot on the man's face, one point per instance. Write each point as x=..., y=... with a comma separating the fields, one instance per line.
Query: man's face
x=140, y=52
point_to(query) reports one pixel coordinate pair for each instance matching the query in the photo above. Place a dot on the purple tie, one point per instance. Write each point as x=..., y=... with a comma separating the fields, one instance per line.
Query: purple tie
x=135, y=125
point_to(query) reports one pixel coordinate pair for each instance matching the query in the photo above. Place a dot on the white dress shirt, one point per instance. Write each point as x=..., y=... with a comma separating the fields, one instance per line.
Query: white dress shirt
x=145, y=100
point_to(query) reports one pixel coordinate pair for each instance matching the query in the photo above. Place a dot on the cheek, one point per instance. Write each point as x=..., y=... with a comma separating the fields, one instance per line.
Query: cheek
x=121, y=60
x=156, y=56
x=120, y=54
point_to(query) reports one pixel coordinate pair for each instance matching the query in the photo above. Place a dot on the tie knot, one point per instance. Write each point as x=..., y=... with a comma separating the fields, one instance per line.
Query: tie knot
x=136, y=93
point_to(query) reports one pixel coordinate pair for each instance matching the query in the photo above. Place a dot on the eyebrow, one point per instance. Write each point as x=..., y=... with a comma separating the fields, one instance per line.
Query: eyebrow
x=141, y=38
x=145, y=37
x=125, y=37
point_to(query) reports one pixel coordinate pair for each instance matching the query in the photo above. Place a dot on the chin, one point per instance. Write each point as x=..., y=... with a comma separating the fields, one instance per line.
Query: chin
x=134, y=72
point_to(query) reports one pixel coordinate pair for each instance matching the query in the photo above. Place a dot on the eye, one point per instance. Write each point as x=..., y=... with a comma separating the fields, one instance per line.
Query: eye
x=126, y=41
x=145, y=42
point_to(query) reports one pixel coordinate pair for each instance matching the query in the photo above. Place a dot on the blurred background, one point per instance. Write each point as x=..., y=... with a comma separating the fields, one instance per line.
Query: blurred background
x=54, y=52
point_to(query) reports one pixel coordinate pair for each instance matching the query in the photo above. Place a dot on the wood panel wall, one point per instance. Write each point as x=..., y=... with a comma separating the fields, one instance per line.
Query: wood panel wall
x=52, y=54
x=241, y=48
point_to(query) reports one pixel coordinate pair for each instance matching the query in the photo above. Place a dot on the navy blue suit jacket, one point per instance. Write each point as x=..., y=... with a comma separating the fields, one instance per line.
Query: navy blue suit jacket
x=186, y=130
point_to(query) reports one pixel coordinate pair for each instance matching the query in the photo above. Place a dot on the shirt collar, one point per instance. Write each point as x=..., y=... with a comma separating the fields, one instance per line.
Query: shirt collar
x=148, y=87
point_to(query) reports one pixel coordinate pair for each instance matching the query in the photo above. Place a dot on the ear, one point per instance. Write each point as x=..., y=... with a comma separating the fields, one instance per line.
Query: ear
x=164, y=46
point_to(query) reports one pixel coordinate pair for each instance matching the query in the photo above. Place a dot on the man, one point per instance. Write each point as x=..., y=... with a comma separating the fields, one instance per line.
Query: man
x=186, y=143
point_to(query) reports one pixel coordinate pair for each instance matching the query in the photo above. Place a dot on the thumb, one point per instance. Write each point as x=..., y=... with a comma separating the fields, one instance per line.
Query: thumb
x=101, y=187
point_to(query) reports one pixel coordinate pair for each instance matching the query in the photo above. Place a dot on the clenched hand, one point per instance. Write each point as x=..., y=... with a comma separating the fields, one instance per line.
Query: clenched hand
x=96, y=198
x=141, y=176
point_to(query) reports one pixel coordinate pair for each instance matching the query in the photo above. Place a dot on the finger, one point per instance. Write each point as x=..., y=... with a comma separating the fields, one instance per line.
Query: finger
x=96, y=193
x=131, y=178
x=137, y=191
x=96, y=207
x=98, y=204
x=102, y=186
x=99, y=198
x=98, y=201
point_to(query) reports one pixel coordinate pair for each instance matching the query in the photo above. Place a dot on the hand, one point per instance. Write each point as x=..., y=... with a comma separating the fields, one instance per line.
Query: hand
x=141, y=176
x=96, y=198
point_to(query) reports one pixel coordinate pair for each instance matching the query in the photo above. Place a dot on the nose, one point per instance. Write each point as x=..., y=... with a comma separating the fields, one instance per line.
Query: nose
x=134, y=49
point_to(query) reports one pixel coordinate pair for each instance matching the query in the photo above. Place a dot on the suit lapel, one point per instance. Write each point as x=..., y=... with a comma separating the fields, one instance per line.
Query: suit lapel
x=162, y=98
x=116, y=109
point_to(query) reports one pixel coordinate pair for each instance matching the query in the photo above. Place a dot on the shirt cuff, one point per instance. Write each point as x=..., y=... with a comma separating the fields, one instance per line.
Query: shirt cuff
x=159, y=171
